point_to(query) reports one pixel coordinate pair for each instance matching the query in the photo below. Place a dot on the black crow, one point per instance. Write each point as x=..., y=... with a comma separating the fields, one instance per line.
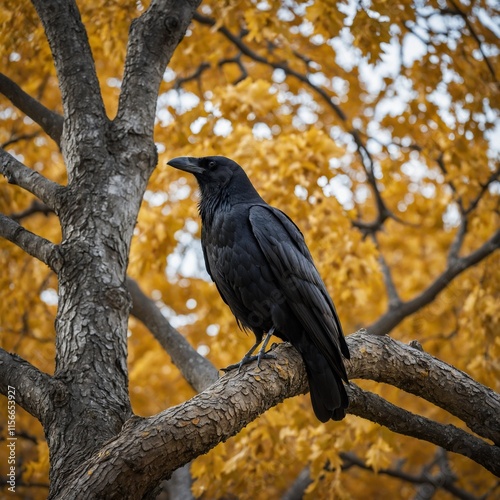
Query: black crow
x=264, y=272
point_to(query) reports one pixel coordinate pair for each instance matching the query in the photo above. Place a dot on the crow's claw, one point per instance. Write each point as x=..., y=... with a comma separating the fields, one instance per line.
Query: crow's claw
x=249, y=359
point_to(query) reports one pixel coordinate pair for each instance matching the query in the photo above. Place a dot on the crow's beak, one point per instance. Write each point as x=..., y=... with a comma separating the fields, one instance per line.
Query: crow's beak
x=187, y=164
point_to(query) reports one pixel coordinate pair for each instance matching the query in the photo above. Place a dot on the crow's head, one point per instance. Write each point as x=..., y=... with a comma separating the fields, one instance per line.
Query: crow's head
x=215, y=175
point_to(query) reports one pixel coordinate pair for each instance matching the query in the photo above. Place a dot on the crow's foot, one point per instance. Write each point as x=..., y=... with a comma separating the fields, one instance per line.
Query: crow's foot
x=249, y=359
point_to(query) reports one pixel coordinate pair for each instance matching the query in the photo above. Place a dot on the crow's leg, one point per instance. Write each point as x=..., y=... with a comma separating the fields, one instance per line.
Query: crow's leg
x=262, y=351
x=248, y=358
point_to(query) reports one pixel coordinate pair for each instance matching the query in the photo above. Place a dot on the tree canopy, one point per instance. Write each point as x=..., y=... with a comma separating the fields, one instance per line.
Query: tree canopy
x=373, y=125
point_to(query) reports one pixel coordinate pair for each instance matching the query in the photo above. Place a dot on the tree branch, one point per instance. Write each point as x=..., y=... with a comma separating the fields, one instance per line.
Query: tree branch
x=196, y=369
x=372, y=407
x=18, y=138
x=153, y=38
x=455, y=267
x=377, y=358
x=464, y=16
x=81, y=97
x=34, y=390
x=147, y=450
x=51, y=122
x=392, y=293
x=34, y=245
x=384, y=359
x=443, y=479
x=175, y=436
x=20, y=175
x=195, y=75
x=36, y=207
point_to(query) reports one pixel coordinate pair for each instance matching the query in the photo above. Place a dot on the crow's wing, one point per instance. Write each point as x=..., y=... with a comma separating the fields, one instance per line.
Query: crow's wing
x=224, y=290
x=234, y=269
x=284, y=248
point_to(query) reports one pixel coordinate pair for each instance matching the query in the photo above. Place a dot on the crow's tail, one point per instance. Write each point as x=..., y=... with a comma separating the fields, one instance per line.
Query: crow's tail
x=328, y=395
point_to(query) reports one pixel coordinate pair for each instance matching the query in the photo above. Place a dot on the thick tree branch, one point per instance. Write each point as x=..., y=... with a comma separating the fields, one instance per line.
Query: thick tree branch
x=386, y=360
x=21, y=175
x=153, y=38
x=147, y=450
x=51, y=123
x=34, y=390
x=174, y=437
x=456, y=266
x=196, y=369
x=34, y=245
x=80, y=91
x=372, y=407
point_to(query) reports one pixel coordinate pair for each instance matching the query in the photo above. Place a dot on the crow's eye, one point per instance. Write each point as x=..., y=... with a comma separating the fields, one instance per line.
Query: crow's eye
x=212, y=165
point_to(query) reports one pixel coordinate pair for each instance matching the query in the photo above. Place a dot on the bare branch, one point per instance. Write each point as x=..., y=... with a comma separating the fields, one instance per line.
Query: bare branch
x=18, y=138
x=464, y=16
x=20, y=175
x=195, y=75
x=246, y=50
x=196, y=369
x=51, y=122
x=235, y=60
x=372, y=407
x=34, y=390
x=34, y=245
x=153, y=38
x=443, y=479
x=494, y=177
x=392, y=293
x=392, y=318
x=36, y=207
x=384, y=359
x=298, y=487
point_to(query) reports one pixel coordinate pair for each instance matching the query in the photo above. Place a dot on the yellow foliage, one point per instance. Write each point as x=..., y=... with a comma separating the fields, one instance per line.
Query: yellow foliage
x=301, y=156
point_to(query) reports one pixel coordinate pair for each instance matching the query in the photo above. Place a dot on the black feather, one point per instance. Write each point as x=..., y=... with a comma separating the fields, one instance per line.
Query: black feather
x=264, y=272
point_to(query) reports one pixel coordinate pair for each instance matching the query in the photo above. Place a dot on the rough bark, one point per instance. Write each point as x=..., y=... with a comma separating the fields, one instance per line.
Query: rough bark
x=35, y=391
x=386, y=360
x=109, y=164
x=148, y=450
x=50, y=121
